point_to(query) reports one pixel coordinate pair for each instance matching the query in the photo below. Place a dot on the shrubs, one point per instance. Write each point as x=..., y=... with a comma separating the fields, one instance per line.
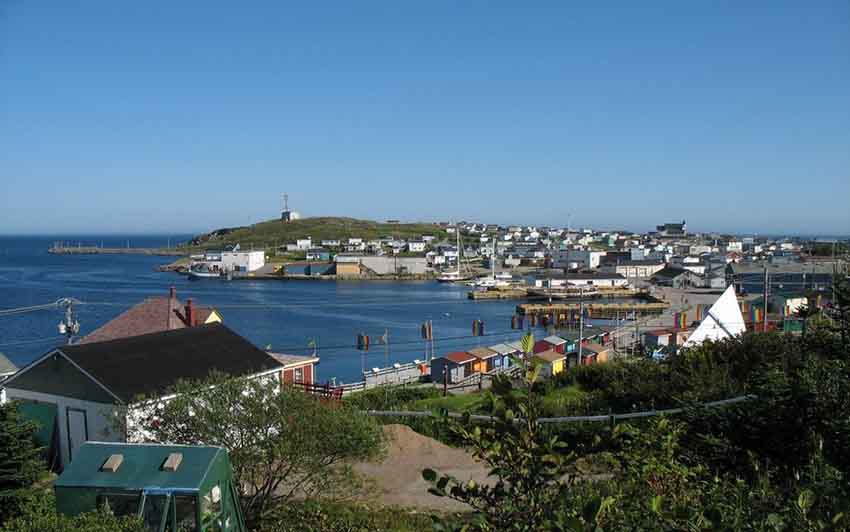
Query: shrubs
x=38, y=514
x=390, y=397
x=339, y=517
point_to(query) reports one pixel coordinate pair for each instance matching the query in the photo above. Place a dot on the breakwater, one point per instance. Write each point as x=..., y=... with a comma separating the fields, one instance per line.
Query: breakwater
x=95, y=250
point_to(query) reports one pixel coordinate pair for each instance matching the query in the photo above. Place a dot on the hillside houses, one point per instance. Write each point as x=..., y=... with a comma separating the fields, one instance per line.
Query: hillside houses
x=637, y=257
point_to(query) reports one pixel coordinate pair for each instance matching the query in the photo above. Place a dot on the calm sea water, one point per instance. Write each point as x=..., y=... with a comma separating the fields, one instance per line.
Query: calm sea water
x=283, y=314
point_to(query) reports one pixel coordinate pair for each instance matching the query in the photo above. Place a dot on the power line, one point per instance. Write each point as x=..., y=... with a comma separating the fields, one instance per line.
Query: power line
x=31, y=341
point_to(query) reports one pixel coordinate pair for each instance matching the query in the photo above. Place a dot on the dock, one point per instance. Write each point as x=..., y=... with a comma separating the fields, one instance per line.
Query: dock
x=508, y=293
x=596, y=309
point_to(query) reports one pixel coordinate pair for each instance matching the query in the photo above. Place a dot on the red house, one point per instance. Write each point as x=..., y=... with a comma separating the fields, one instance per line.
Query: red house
x=296, y=369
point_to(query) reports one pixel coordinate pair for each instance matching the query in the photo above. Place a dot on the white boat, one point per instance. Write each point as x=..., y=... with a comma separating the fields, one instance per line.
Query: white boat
x=200, y=271
x=454, y=276
x=493, y=280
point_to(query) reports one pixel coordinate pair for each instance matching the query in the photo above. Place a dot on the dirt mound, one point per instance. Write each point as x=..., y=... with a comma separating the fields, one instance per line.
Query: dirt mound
x=398, y=476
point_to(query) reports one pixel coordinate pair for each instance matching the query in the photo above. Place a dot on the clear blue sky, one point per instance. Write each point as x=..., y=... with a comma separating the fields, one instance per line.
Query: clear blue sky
x=146, y=117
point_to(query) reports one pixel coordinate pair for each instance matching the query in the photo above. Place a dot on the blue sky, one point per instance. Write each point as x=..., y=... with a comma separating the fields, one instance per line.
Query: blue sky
x=146, y=117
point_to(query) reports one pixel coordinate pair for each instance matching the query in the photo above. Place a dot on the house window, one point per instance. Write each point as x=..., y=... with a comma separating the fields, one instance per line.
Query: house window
x=299, y=374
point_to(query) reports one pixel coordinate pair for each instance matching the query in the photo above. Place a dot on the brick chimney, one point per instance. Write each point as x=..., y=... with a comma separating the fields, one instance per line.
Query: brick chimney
x=173, y=320
x=190, y=313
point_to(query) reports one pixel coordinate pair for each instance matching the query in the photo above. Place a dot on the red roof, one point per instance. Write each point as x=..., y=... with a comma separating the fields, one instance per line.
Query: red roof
x=596, y=348
x=460, y=357
x=155, y=314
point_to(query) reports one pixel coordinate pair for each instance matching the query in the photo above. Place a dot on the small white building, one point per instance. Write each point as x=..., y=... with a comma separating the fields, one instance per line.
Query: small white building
x=583, y=258
x=416, y=246
x=240, y=261
x=303, y=244
x=607, y=280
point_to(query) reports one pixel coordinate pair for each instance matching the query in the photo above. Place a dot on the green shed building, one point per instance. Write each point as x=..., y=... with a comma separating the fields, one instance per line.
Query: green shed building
x=173, y=488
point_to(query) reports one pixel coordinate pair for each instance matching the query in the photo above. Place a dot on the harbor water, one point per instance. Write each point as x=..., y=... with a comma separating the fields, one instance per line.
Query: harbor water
x=285, y=315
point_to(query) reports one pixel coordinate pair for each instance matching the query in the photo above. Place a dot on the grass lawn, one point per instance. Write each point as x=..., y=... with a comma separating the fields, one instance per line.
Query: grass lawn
x=453, y=403
x=564, y=401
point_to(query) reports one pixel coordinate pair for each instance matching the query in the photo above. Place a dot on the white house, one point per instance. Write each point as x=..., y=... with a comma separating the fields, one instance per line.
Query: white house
x=95, y=390
x=330, y=243
x=303, y=244
x=578, y=258
x=416, y=246
x=244, y=261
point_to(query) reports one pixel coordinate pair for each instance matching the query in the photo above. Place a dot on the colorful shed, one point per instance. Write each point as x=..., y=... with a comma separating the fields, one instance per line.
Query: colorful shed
x=505, y=352
x=552, y=362
x=452, y=367
x=486, y=359
x=594, y=352
x=171, y=487
x=553, y=342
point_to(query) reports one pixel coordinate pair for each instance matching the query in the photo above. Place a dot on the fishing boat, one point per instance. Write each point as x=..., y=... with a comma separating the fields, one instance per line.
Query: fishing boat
x=202, y=271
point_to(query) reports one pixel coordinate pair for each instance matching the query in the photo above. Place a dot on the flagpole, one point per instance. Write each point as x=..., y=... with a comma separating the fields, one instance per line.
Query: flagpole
x=431, y=337
x=386, y=347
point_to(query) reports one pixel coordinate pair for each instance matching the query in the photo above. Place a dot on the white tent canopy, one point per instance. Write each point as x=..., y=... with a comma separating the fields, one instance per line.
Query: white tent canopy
x=723, y=320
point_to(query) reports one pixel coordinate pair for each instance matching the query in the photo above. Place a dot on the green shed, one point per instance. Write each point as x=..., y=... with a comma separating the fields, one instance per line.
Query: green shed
x=173, y=488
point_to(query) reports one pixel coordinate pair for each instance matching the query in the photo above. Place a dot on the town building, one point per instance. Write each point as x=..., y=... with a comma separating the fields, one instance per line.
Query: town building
x=672, y=230
x=634, y=269
x=233, y=261
x=320, y=254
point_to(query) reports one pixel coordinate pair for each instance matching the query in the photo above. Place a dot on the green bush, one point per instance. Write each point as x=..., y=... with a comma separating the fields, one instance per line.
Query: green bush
x=39, y=514
x=391, y=397
x=341, y=517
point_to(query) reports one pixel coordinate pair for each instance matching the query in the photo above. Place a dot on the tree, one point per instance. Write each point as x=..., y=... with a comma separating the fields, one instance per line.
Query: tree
x=21, y=464
x=282, y=442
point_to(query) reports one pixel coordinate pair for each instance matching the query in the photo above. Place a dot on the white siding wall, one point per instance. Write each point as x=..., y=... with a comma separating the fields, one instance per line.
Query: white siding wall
x=103, y=419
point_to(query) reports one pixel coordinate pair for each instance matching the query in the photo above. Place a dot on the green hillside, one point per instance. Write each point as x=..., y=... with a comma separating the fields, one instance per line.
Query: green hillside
x=273, y=233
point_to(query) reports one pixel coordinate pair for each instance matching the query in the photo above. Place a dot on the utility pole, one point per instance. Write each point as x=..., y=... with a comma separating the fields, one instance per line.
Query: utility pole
x=637, y=332
x=766, y=281
x=580, y=324
x=386, y=348
x=69, y=326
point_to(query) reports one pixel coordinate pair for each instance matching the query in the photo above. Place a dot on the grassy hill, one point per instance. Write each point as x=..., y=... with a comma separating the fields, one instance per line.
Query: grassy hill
x=273, y=233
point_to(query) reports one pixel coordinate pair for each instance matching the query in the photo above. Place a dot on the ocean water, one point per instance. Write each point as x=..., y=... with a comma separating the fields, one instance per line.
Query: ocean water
x=282, y=314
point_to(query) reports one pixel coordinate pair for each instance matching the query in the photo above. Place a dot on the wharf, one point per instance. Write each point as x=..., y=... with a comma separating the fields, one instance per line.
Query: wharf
x=596, y=310
x=94, y=250
x=545, y=293
x=508, y=293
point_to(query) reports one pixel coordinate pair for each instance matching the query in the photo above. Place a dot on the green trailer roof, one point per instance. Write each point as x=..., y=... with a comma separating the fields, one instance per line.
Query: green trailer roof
x=141, y=467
